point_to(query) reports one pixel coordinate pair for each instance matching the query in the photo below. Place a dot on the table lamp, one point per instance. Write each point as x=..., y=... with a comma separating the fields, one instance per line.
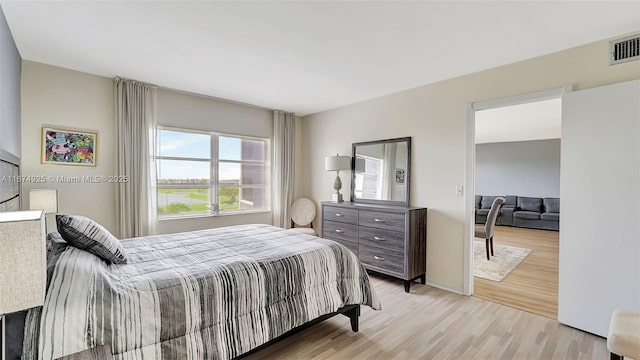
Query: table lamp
x=337, y=163
x=44, y=199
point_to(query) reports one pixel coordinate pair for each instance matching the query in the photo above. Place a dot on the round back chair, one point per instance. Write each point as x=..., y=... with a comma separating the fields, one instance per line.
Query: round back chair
x=303, y=211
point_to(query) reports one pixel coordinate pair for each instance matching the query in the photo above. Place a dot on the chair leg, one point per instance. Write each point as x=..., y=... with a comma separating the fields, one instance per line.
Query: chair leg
x=486, y=242
x=491, y=243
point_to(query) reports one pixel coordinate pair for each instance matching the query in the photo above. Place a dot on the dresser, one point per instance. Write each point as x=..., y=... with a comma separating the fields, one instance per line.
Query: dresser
x=391, y=240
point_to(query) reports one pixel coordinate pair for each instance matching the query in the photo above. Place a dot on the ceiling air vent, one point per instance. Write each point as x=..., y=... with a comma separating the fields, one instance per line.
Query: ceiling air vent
x=625, y=49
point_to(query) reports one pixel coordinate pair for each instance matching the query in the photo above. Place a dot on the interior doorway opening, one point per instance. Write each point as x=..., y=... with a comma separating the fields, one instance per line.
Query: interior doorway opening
x=513, y=151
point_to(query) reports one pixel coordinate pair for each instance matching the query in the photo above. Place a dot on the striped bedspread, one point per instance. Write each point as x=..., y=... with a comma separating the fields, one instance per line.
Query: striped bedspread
x=209, y=294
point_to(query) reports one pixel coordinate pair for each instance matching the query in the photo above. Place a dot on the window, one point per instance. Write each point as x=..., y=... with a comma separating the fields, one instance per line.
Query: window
x=368, y=171
x=203, y=173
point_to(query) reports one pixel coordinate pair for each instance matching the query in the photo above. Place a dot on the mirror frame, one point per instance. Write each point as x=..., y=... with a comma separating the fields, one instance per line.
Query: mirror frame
x=407, y=174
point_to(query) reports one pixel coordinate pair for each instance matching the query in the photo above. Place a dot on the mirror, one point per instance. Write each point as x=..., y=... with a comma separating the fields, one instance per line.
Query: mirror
x=381, y=171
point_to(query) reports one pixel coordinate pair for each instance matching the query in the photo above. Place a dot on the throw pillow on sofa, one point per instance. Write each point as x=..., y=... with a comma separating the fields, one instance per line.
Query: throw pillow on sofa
x=530, y=204
x=487, y=201
x=552, y=205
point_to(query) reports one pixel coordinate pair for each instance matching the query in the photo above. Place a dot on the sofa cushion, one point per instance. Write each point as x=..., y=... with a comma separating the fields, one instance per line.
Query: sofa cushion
x=506, y=216
x=487, y=201
x=528, y=215
x=530, y=204
x=510, y=201
x=483, y=212
x=478, y=201
x=550, y=216
x=552, y=205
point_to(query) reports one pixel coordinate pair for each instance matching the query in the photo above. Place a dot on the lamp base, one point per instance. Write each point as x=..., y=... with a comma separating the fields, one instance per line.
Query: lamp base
x=337, y=197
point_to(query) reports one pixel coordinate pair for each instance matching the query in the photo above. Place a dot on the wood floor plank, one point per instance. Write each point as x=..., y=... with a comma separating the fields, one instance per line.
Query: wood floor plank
x=533, y=285
x=431, y=323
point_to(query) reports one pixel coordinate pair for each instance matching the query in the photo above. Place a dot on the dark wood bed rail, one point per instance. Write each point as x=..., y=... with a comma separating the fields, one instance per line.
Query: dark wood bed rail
x=350, y=311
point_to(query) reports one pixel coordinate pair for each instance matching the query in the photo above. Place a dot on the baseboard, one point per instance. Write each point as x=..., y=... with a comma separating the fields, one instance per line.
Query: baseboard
x=447, y=287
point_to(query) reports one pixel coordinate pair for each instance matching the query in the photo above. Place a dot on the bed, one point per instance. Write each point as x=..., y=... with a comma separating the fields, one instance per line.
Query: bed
x=209, y=294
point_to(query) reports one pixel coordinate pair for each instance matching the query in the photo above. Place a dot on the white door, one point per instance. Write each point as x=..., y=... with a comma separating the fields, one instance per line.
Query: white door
x=600, y=205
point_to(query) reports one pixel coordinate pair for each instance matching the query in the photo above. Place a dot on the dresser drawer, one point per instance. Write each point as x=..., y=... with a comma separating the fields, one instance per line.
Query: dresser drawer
x=339, y=214
x=339, y=231
x=388, y=239
x=381, y=258
x=382, y=220
x=353, y=246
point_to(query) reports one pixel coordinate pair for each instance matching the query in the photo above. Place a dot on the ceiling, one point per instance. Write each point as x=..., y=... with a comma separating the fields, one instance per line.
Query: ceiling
x=304, y=57
x=531, y=121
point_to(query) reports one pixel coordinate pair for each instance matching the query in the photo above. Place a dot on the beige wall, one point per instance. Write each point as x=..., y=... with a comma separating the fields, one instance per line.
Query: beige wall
x=435, y=117
x=190, y=111
x=58, y=97
x=199, y=112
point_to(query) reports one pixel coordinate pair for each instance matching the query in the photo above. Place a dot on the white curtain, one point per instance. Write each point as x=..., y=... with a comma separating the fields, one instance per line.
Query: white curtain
x=284, y=140
x=389, y=171
x=135, y=111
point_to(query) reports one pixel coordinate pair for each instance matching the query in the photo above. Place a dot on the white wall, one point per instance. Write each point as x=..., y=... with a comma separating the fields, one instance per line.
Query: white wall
x=67, y=99
x=600, y=227
x=191, y=111
x=435, y=117
x=10, y=64
x=522, y=168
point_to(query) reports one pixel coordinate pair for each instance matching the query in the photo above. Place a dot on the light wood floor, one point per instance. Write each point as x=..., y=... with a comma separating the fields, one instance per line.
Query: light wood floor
x=533, y=284
x=431, y=323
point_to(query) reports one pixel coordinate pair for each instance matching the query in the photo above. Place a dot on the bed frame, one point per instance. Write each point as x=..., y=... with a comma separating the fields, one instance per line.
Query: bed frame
x=350, y=311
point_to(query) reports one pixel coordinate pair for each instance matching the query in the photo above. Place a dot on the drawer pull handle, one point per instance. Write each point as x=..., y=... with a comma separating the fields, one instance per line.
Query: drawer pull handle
x=338, y=215
x=378, y=257
x=339, y=231
x=378, y=220
x=379, y=238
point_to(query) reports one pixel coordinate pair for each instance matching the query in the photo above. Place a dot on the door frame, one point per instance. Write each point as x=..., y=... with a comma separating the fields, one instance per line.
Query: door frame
x=470, y=166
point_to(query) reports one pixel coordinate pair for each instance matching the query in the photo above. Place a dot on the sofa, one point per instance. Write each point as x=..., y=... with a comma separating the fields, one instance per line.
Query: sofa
x=522, y=211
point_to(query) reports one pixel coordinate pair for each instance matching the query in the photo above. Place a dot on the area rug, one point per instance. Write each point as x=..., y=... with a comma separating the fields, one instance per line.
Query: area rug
x=505, y=259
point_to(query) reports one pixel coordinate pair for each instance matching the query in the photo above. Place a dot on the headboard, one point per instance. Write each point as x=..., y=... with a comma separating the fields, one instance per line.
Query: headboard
x=10, y=186
x=9, y=182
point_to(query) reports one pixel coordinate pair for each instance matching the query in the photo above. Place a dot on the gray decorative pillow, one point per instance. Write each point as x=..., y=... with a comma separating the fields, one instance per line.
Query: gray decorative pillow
x=85, y=234
x=552, y=205
x=529, y=204
x=487, y=201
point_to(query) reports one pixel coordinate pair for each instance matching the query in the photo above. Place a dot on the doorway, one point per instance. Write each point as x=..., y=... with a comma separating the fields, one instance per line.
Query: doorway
x=532, y=284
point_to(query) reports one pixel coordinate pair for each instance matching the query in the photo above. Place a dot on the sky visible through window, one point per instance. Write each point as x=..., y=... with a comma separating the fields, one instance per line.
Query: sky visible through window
x=198, y=146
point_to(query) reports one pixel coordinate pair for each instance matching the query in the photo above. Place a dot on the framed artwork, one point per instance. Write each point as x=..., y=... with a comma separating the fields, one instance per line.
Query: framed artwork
x=400, y=176
x=68, y=147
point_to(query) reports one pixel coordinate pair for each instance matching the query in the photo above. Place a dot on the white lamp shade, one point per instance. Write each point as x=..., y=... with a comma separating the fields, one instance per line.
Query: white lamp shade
x=43, y=199
x=22, y=260
x=337, y=163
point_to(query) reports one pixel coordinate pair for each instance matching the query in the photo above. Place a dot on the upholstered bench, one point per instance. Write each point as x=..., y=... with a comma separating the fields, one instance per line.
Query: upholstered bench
x=624, y=335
